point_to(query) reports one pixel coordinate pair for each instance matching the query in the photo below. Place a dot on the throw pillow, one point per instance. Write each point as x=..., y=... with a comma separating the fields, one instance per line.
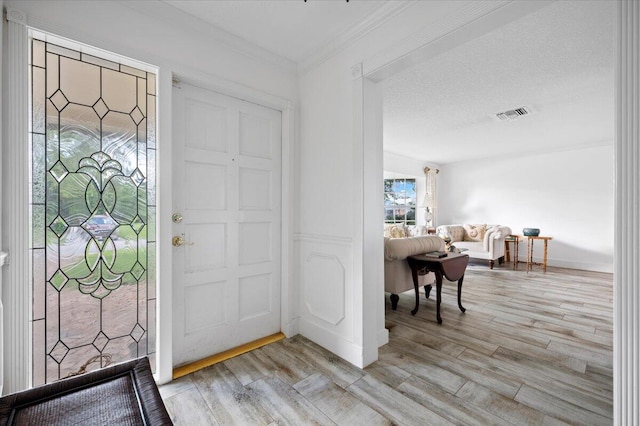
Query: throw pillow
x=415, y=230
x=474, y=232
x=394, y=231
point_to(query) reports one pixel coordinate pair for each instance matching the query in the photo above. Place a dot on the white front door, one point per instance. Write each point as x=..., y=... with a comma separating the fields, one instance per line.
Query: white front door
x=227, y=203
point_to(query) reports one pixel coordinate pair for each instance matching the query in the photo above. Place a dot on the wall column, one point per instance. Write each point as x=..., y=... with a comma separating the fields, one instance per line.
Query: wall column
x=15, y=214
x=626, y=340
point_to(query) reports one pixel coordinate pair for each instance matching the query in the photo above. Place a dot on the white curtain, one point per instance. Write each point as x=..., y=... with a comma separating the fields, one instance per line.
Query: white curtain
x=431, y=199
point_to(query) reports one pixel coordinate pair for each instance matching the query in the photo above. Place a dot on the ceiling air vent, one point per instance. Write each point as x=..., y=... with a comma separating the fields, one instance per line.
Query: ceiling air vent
x=513, y=114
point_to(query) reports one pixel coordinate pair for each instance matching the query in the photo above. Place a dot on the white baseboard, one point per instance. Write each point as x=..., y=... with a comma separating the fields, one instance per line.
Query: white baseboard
x=291, y=328
x=383, y=337
x=347, y=350
x=572, y=264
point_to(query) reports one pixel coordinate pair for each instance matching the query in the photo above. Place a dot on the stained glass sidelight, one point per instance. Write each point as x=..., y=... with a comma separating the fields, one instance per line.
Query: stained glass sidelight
x=93, y=207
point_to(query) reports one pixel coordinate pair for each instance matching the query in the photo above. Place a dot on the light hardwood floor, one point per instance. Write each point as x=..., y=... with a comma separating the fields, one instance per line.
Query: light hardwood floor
x=531, y=349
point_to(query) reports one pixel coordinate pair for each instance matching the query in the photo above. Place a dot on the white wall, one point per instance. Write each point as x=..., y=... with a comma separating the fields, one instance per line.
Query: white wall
x=330, y=241
x=567, y=194
x=158, y=34
x=155, y=33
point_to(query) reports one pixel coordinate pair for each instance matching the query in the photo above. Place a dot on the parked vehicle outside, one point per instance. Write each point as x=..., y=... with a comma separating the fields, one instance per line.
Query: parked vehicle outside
x=101, y=226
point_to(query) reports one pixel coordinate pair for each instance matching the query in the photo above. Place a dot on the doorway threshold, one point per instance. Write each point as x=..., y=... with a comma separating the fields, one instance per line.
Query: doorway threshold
x=223, y=356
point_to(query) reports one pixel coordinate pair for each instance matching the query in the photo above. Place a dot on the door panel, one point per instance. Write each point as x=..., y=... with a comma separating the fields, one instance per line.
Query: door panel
x=227, y=189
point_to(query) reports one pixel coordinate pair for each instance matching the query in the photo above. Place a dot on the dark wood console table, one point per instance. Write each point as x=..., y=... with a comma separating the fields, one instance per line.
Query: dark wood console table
x=451, y=267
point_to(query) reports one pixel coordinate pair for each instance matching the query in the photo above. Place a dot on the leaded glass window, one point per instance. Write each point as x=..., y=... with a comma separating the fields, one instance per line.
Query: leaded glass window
x=93, y=211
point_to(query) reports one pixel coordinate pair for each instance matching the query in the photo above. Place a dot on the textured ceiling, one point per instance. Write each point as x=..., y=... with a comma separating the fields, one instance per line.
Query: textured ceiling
x=557, y=61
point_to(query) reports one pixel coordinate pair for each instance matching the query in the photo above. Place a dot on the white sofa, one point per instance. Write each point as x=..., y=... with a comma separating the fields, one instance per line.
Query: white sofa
x=481, y=241
x=397, y=274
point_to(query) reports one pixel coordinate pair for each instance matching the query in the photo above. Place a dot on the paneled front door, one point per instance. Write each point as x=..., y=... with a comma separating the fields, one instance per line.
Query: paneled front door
x=227, y=202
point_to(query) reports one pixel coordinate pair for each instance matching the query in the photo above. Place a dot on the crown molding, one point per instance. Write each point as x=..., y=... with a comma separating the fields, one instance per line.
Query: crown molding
x=159, y=9
x=374, y=20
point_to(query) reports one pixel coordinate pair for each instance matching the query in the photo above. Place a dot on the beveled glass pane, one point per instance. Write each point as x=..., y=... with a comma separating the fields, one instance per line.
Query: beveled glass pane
x=38, y=168
x=140, y=175
x=37, y=225
x=151, y=267
x=51, y=208
x=99, y=61
x=79, y=135
x=142, y=132
x=151, y=121
x=126, y=256
x=142, y=94
x=134, y=71
x=119, y=140
x=151, y=85
x=79, y=81
x=151, y=178
x=152, y=328
x=142, y=304
x=72, y=307
x=53, y=82
x=38, y=100
x=78, y=253
x=119, y=91
x=39, y=332
x=62, y=51
x=37, y=53
x=53, y=318
x=142, y=247
x=53, y=135
x=118, y=321
x=151, y=231
x=126, y=201
x=39, y=283
x=73, y=205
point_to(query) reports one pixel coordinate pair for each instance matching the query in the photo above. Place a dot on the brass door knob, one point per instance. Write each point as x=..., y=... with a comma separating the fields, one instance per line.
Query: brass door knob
x=179, y=240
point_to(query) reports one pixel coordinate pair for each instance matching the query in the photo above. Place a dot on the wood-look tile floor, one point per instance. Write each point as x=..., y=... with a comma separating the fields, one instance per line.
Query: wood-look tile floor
x=531, y=349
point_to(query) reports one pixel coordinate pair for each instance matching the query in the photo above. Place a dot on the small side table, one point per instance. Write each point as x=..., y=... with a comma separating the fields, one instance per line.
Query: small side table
x=515, y=240
x=451, y=267
x=530, y=262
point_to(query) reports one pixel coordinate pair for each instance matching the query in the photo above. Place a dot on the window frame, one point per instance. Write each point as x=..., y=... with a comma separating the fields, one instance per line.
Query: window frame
x=408, y=207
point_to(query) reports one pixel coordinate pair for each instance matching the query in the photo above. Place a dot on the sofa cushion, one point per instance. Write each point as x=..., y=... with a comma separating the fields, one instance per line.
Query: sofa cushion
x=456, y=233
x=400, y=248
x=416, y=230
x=474, y=246
x=474, y=232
